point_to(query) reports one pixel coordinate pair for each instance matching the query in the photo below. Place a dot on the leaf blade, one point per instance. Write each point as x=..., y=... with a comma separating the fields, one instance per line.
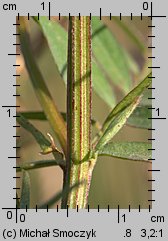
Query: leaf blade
x=45, y=99
x=137, y=151
x=116, y=124
x=39, y=137
x=57, y=39
x=39, y=164
x=25, y=193
x=140, y=117
x=109, y=55
x=132, y=64
x=43, y=142
x=102, y=87
x=116, y=117
x=137, y=39
x=128, y=99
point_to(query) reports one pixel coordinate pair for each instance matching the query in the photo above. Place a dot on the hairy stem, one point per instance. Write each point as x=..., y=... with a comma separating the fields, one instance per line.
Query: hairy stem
x=78, y=111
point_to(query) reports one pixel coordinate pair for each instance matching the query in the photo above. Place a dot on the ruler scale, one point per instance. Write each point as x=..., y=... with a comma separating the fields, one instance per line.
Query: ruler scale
x=109, y=223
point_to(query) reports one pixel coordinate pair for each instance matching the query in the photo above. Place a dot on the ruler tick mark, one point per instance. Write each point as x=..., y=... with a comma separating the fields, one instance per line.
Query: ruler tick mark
x=141, y=16
x=49, y=7
x=118, y=212
x=153, y=170
x=67, y=211
x=11, y=106
x=14, y=157
x=157, y=118
x=153, y=67
x=149, y=208
x=13, y=54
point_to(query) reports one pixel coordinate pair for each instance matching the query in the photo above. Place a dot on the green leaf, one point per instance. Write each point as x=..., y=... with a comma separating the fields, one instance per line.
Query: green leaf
x=136, y=38
x=25, y=193
x=39, y=164
x=40, y=138
x=132, y=64
x=57, y=37
x=145, y=98
x=116, y=124
x=45, y=99
x=139, y=117
x=109, y=55
x=102, y=86
x=136, y=151
x=128, y=99
x=119, y=115
x=33, y=115
x=58, y=196
x=45, y=145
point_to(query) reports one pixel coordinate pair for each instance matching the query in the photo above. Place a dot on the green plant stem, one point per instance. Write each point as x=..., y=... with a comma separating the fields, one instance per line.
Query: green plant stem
x=41, y=90
x=78, y=111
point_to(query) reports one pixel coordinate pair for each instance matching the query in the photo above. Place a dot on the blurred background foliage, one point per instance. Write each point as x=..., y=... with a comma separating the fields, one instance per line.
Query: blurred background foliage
x=114, y=181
